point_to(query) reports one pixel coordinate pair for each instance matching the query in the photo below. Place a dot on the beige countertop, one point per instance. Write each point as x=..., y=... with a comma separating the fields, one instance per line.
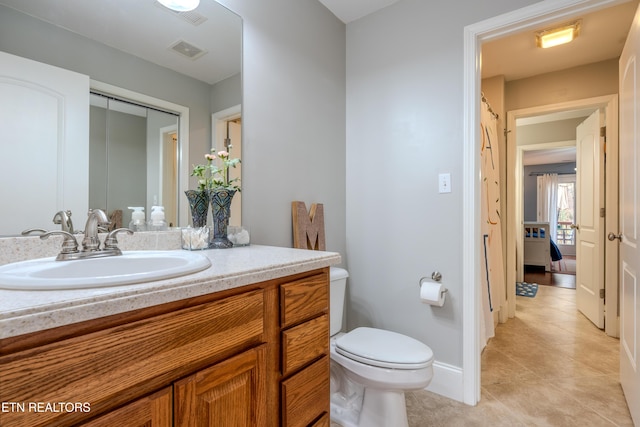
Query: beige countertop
x=23, y=312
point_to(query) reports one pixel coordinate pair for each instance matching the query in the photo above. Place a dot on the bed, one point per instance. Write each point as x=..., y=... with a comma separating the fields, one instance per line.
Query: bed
x=537, y=244
x=539, y=249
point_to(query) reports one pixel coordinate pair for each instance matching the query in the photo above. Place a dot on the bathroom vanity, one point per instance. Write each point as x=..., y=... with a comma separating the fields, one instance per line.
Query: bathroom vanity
x=244, y=342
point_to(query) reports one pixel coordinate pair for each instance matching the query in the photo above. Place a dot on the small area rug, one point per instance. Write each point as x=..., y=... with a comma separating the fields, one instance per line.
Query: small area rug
x=525, y=289
x=566, y=265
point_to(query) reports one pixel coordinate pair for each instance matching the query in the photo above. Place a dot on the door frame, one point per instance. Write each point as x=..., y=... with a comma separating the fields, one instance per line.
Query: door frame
x=515, y=214
x=527, y=18
x=515, y=202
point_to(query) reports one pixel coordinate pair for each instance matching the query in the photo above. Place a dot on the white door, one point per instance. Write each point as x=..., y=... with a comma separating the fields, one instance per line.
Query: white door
x=590, y=224
x=44, y=117
x=629, y=200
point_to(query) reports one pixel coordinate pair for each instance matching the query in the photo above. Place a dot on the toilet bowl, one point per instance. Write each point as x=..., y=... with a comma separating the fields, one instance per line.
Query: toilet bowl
x=372, y=368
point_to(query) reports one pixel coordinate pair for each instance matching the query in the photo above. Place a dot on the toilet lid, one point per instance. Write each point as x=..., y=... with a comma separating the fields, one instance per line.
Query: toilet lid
x=384, y=348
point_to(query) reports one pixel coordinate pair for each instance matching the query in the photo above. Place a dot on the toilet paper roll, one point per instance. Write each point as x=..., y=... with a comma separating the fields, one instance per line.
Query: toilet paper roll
x=432, y=293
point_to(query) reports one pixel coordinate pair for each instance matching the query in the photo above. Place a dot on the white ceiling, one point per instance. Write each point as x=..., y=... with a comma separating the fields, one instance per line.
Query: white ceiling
x=602, y=37
x=545, y=157
x=147, y=30
x=350, y=10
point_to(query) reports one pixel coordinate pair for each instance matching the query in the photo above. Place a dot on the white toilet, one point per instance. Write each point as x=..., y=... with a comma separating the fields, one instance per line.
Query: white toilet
x=372, y=368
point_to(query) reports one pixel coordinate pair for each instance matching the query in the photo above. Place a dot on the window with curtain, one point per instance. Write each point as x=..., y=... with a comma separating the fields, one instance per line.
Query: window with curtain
x=556, y=205
x=548, y=200
x=566, y=209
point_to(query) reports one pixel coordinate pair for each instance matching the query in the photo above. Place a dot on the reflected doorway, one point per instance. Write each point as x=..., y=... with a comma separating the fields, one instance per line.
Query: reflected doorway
x=133, y=158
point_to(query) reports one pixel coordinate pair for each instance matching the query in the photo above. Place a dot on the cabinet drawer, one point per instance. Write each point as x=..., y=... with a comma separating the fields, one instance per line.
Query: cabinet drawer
x=304, y=343
x=111, y=367
x=304, y=299
x=305, y=396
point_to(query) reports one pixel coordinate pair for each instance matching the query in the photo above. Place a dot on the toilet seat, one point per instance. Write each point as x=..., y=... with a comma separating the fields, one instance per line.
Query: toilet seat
x=385, y=349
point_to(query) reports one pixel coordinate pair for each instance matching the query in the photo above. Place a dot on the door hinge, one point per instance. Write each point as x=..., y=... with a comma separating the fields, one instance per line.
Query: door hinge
x=602, y=212
x=603, y=133
x=602, y=293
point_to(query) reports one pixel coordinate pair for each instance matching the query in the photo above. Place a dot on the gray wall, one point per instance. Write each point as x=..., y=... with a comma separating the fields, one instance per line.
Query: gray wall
x=556, y=131
x=404, y=127
x=293, y=115
x=227, y=93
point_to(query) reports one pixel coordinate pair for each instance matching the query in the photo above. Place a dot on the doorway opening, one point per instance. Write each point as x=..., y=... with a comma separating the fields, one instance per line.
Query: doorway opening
x=515, y=203
x=547, y=172
x=558, y=187
x=525, y=19
x=227, y=135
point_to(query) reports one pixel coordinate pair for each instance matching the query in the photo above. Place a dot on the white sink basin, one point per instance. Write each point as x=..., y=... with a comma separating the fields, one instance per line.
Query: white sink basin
x=130, y=267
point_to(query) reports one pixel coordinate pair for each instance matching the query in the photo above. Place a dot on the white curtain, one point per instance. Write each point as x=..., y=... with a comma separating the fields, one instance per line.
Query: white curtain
x=493, y=286
x=548, y=202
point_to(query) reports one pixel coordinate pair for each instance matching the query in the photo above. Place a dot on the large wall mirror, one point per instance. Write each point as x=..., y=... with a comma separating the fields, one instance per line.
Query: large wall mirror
x=159, y=80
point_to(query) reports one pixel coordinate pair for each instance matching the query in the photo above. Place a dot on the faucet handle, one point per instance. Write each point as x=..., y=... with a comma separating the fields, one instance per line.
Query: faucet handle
x=63, y=218
x=33, y=230
x=69, y=244
x=110, y=242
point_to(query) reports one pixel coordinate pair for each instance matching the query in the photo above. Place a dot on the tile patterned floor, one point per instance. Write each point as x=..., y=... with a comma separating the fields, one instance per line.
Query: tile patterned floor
x=549, y=366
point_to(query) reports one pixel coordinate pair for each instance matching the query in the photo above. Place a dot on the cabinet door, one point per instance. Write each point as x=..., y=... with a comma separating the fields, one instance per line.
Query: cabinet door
x=150, y=411
x=231, y=393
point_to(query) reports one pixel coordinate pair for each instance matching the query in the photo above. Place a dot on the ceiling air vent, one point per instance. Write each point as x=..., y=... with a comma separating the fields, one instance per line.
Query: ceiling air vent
x=192, y=17
x=187, y=49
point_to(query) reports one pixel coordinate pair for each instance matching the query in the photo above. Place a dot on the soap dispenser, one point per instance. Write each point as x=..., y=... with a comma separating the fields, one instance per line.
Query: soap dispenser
x=157, y=221
x=138, y=222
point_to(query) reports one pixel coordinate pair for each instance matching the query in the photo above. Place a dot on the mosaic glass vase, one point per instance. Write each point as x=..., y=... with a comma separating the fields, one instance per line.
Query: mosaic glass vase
x=221, y=199
x=199, y=206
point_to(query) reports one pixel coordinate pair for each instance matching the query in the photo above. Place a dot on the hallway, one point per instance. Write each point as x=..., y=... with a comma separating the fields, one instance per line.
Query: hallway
x=548, y=366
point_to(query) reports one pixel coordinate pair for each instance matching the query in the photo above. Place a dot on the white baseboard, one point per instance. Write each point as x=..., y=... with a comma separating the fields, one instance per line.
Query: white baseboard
x=447, y=381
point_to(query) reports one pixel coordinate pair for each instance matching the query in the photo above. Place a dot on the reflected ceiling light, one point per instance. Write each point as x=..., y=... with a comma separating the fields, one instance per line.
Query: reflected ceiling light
x=180, y=5
x=558, y=36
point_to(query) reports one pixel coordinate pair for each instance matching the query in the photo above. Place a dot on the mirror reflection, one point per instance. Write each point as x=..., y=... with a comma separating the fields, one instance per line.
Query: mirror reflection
x=140, y=145
x=127, y=45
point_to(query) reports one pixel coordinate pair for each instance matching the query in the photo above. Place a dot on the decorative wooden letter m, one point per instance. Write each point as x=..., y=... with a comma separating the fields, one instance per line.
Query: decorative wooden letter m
x=308, y=227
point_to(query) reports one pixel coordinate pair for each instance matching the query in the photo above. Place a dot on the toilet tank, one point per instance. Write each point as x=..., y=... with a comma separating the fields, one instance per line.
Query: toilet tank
x=337, y=292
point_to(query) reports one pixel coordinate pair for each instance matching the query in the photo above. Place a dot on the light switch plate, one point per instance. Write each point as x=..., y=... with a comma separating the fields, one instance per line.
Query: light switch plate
x=444, y=183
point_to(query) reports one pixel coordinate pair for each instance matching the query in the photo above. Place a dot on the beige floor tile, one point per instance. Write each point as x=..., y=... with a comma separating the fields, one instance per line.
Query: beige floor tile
x=428, y=409
x=549, y=366
x=538, y=403
x=601, y=394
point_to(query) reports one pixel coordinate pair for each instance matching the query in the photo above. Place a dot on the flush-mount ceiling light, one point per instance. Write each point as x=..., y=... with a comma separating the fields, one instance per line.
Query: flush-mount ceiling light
x=558, y=36
x=180, y=5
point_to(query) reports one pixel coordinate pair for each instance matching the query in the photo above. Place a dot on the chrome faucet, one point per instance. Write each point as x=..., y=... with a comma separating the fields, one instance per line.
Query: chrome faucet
x=63, y=218
x=96, y=220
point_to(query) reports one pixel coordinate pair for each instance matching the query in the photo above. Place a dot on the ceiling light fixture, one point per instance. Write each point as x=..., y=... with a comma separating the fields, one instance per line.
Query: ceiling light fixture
x=180, y=5
x=558, y=36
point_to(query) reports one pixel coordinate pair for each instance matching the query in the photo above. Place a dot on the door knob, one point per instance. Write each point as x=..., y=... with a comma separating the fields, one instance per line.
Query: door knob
x=611, y=236
x=575, y=226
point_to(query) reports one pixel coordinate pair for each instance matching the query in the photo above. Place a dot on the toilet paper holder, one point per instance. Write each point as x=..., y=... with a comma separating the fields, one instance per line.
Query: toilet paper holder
x=436, y=276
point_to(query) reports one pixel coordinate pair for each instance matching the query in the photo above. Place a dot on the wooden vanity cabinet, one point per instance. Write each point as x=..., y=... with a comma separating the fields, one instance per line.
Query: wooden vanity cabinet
x=244, y=357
